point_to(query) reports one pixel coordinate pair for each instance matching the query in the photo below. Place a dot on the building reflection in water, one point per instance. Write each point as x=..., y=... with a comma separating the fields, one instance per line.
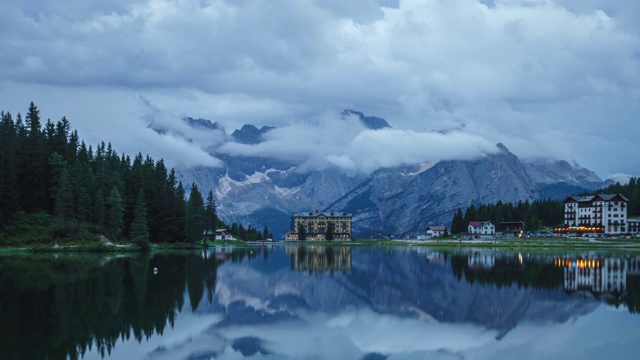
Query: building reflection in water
x=481, y=260
x=602, y=277
x=318, y=259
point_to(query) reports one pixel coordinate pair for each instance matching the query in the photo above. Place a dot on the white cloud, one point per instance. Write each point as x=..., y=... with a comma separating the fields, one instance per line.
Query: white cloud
x=517, y=72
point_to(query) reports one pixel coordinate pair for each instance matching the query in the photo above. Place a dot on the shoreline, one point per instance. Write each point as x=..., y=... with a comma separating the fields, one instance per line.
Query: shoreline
x=498, y=244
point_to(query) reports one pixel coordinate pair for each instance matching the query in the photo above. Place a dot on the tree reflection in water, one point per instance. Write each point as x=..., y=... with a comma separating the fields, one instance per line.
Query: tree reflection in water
x=60, y=306
x=57, y=307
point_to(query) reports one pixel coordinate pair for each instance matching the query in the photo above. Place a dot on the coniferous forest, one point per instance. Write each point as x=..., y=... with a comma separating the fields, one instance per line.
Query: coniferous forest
x=539, y=213
x=56, y=188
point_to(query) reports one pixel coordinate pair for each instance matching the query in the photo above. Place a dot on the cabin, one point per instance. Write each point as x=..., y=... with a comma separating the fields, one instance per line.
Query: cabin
x=510, y=229
x=435, y=231
x=481, y=228
x=224, y=234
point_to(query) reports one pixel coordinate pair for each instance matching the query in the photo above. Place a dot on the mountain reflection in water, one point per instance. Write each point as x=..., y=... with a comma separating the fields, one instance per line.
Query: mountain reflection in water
x=290, y=302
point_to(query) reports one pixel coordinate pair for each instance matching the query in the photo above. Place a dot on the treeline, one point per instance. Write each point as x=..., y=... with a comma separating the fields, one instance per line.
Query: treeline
x=534, y=214
x=539, y=212
x=46, y=168
x=631, y=191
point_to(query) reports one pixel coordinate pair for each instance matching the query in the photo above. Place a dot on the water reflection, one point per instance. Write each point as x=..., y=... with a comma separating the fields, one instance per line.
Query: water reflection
x=318, y=259
x=282, y=301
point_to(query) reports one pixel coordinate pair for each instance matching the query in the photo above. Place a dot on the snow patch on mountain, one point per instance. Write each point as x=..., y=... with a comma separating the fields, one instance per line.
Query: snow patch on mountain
x=227, y=184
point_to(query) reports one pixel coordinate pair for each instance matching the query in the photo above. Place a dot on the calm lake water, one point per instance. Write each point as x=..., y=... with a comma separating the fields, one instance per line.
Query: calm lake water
x=311, y=302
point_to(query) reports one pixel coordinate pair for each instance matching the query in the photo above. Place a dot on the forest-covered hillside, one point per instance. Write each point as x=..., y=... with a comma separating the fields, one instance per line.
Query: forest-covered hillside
x=539, y=213
x=52, y=181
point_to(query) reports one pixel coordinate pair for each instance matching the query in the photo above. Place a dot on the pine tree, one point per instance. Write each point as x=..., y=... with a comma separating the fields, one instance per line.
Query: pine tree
x=9, y=190
x=139, y=233
x=64, y=200
x=99, y=209
x=115, y=215
x=329, y=234
x=211, y=217
x=457, y=224
x=302, y=235
x=194, y=216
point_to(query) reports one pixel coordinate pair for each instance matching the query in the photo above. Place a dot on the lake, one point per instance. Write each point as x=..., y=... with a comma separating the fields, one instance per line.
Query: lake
x=285, y=301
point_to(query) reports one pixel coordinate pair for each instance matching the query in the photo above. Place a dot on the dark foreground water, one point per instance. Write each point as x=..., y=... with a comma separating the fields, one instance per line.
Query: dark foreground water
x=290, y=302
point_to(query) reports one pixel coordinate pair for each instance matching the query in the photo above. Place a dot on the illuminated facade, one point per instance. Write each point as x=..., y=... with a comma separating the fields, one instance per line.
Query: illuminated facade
x=316, y=224
x=601, y=213
x=596, y=275
x=319, y=259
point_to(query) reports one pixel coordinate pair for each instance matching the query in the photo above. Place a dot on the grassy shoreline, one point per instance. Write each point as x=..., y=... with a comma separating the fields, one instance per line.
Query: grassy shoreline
x=498, y=244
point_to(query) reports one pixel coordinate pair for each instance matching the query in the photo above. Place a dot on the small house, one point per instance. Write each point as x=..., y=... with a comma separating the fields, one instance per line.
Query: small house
x=481, y=228
x=224, y=234
x=512, y=229
x=435, y=231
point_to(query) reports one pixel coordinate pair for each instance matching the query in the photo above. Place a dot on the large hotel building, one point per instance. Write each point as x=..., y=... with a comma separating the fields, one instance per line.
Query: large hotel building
x=601, y=213
x=316, y=223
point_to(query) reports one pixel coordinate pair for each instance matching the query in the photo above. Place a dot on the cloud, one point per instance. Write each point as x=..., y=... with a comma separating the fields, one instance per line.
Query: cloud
x=539, y=76
x=354, y=332
x=347, y=144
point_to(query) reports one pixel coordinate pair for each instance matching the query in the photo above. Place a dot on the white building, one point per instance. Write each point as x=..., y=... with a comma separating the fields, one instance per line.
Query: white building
x=434, y=231
x=481, y=228
x=603, y=213
x=633, y=226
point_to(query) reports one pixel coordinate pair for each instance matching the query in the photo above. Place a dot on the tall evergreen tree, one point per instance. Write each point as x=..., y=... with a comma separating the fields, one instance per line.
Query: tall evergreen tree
x=194, y=215
x=211, y=216
x=99, y=209
x=139, y=233
x=329, y=234
x=115, y=213
x=65, y=201
x=9, y=189
x=302, y=234
x=457, y=224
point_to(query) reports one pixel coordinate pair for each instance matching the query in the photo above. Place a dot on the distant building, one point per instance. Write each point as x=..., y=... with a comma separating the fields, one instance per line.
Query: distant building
x=510, y=229
x=602, y=213
x=633, y=226
x=435, y=231
x=481, y=228
x=315, y=225
x=224, y=234
x=291, y=237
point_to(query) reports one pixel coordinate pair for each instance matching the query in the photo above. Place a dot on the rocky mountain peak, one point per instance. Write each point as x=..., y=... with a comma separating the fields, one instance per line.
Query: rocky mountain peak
x=202, y=124
x=249, y=134
x=370, y=122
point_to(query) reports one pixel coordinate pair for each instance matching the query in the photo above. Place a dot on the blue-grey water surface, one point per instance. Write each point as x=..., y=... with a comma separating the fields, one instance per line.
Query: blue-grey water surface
x=312, y=302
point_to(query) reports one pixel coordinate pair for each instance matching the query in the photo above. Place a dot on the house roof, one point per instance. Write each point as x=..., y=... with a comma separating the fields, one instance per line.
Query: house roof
x=598, y=197
x=318, y=213
x=479, y=223
x=436, y=228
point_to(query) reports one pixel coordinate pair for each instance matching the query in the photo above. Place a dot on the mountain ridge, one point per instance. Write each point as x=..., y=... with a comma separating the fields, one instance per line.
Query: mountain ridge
x=401, y=200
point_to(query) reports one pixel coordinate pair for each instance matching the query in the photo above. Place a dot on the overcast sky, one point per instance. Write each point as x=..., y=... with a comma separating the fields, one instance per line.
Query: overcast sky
x=546, y=78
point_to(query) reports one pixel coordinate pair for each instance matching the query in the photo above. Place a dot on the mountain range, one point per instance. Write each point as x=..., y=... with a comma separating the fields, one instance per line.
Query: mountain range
x=401, y=200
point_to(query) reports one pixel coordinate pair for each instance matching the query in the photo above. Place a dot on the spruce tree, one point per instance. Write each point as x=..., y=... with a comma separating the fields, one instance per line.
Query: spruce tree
x=115, y=215
x=139, y=233
x=302, y=235
x=211, y=217
x=64, y=200
x=194, y=214
x=329, y=234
